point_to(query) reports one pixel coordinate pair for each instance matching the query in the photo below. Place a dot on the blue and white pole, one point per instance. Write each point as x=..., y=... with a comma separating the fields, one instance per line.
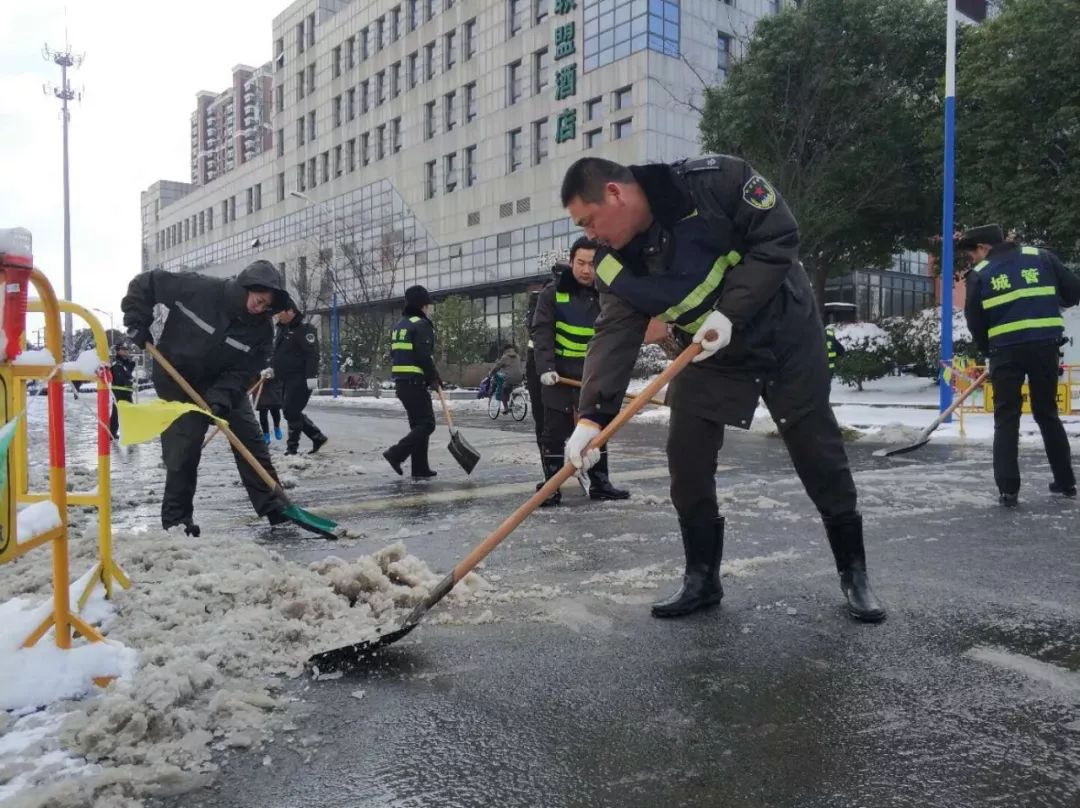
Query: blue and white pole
x=335, y=345
x=947, y=204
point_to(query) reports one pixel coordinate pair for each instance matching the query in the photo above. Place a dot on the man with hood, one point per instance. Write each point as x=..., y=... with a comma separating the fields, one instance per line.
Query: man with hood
x=562, y=327
x=412, y=355
x=218, y=336
x=296, y=365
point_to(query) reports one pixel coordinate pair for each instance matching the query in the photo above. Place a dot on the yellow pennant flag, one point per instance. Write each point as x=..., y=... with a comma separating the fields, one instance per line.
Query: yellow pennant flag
x=142, y=422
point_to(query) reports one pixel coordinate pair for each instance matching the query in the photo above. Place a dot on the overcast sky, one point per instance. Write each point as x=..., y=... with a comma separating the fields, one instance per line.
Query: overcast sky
x=144, y=63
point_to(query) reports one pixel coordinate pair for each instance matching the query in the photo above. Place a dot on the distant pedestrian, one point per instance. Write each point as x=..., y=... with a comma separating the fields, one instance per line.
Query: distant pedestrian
x=268, y=405
x=296, y=365
x=123, y=383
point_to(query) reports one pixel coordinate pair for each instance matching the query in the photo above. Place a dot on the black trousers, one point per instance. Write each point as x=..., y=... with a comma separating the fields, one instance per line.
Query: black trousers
x=532, y=384
x=264, y=421
x=181, y=449
x=814, y=443
x=1038, y=362
x=297, y=396
x=558, y=426
x=417, y=400
x=114, y=416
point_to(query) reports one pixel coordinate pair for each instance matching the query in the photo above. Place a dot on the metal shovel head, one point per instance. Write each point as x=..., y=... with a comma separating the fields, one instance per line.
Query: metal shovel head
x=349, y=656
x=899, y=450
x=466, y=456
x=309, y=521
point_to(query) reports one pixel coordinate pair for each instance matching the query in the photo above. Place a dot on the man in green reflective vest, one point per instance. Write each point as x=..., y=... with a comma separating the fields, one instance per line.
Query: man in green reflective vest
x=412, y=356
x=833, y=348
x=1013, y=309
x=562, y=326
x=709, y=246
x=123, y=383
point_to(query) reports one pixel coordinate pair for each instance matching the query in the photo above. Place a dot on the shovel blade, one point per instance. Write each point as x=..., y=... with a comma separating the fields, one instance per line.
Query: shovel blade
x=349, y=656
x=899, y=450
x=466, y=456
x=309, y=521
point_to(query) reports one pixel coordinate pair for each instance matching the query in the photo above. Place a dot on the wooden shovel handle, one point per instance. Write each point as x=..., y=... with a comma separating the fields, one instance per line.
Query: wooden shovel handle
x=244, y=452
x=253, y=395
x=975, y=385
x=628, y=396
x=481, y=550
x=445, y=408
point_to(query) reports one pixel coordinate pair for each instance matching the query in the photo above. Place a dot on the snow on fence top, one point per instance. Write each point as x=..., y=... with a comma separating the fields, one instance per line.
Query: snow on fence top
x=38, y=357
x=36, y=519
x=86, y=365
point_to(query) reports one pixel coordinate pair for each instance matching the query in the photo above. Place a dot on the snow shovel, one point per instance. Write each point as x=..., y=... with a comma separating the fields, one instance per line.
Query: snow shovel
x=463, y=452
x=628, y=396
x=924, y=436
x=347, y=655
x=253, y=394
x=295, y=514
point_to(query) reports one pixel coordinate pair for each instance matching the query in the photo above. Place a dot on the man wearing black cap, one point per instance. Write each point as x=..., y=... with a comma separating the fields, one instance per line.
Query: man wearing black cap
x=296, y=365
x=1014, y=299
x=412, y=353
x=123, y=381
x=218, y=336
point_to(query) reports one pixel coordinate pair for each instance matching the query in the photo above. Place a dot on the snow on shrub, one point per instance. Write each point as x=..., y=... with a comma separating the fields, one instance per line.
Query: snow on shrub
x=868, y=355
x=651, y=360
x=917, y=340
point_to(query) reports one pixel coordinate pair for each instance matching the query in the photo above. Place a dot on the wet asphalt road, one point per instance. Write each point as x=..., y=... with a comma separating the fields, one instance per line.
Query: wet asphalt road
x=564, y=692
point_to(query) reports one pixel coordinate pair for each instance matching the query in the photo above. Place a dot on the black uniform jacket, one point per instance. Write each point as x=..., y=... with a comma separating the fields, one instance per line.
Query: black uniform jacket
x=296, y=350
x=559, y=396
x=209, y=336
x=778, y=344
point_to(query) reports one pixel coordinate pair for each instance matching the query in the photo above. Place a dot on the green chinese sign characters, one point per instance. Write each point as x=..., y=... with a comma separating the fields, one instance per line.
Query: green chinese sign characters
x=566, y=76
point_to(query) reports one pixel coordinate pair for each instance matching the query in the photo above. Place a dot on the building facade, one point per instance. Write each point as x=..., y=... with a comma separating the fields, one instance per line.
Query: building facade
x=397, y=142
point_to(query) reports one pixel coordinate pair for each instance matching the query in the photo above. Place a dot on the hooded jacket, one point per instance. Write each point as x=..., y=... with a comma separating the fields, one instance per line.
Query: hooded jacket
x=209, y=336
x=510, y=365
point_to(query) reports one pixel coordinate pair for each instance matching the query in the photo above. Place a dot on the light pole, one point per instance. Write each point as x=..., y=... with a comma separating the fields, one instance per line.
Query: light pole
x=947, y=205
x=109, y=315
x=335, y=323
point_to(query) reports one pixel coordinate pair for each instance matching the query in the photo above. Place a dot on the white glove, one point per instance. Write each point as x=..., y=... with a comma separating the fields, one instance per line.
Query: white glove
x=583, y=434
x=313, y=385
x=722, y=326
x=550, y=378
x=267, y=374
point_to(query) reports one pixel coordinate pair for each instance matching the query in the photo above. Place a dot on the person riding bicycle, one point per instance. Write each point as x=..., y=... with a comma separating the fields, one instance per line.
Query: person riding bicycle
x=507, y=374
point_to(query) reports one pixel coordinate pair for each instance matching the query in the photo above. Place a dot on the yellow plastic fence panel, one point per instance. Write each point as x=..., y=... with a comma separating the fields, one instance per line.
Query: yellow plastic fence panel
x=1064, y=400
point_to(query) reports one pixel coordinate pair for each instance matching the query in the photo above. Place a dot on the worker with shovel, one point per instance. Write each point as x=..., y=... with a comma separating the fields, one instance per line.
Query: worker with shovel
x=709, y=246
x=562, y=325
x=412, y=353
x=218, y=337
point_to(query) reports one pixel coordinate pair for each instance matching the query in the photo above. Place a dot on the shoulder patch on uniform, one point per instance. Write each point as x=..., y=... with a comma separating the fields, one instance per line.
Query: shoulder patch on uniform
x=310, y=337
x=758, y=193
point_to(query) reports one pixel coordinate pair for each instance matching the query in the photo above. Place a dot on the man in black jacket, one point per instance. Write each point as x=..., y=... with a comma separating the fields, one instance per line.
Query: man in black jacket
x=123, y=383
x=562, y=327
x=709, y=246
x=218, y=336
x=296, y=365
x=412, y=355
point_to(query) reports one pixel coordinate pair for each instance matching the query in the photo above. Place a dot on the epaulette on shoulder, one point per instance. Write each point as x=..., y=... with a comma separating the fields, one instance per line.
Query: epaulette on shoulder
x=712, y=162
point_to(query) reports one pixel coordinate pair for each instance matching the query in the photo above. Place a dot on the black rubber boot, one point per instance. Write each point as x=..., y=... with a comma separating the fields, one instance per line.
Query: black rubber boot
x=390, y=458
x=703, y=544
x=1063, y=489
x=552, y=464
x=846, y=540
x=318, y=442
x=292, y=442
x=600, y=486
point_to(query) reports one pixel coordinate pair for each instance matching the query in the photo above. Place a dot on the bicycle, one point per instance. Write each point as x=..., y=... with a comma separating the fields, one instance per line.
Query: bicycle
x=518, y=404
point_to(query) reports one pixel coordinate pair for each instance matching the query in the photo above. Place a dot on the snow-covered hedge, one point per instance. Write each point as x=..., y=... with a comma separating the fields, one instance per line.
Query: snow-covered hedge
x=916, y=340
x=869, y=353
x=651, y=360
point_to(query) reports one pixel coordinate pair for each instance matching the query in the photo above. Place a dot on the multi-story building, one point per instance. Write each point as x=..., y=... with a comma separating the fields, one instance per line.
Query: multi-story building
x=424, y=141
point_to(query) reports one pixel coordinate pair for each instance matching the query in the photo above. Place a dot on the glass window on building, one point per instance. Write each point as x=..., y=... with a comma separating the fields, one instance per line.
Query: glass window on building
x=279, y=98
x=311, y=125
x=279, y=140
x=300, y=85
x=311, y=78
x=450, y=110
x=364, y=96
x=380, y=87
x=594, y=108
x=723, y=53
x=515, y=15
x=622, y=98
x=429, y=120
x=616, y=28
x=365, y=149
x=335, y=62
x=301, y=130
x=380, y=141
x=364, y=42
x=337, y=161
x=301, y=184
x=470, y=101
x=395, y=79
x=429, y=61
x=470, y=39
x=450, y=50
x=540, y=71
x=336, y=110
x=513, y=150
x=325, y=160
x=350, y=155
x=593, y=138
x=412, y=14
x=429, y=179
x=621, y=129
x=280, y=192
x=411, y=74
x=431, y=8
x=395, y=23
x=540, y=141
x=513, y=82
x=350, y=53
x=395, y=135
x=450, y=172
x=350, y=104
x=470, y=166
x=539, y=10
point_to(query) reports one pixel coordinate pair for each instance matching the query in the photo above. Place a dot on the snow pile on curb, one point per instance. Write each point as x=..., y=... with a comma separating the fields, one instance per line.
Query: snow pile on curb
x=215, y=623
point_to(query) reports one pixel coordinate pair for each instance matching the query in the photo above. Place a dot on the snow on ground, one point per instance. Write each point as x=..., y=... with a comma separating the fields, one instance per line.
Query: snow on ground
x=200, y=643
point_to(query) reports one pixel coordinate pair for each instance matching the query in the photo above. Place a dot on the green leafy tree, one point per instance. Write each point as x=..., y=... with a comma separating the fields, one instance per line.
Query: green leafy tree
x=462, y=333
x=1018, y=123
x=834, y=103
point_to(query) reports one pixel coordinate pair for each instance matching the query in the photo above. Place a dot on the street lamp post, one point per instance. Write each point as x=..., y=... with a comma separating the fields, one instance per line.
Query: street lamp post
x=335, y=323
x=947, y=206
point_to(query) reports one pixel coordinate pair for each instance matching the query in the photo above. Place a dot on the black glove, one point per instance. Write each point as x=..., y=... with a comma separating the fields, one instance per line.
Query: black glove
x=140, y=335
x=219, y=409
